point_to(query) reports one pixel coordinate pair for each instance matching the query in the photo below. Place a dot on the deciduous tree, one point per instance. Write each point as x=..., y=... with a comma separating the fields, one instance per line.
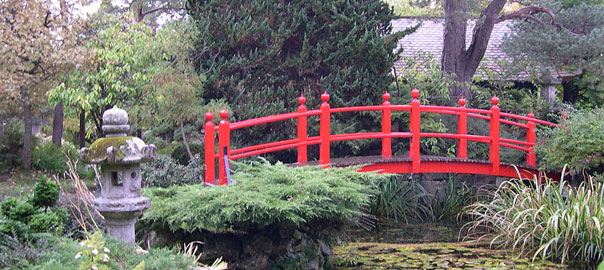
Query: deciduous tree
x=37, y=42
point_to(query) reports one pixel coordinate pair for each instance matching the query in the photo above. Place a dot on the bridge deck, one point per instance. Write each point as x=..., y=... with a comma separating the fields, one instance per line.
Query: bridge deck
x=429, y=164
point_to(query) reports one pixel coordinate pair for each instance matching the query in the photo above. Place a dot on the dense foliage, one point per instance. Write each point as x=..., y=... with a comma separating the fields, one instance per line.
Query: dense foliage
x=261, y=55
x=400, y=199
x=550, y=220
x=164, y=171
x=262, y=195
x=576, y=142
x=53, y=253
x=573, y=46
x=21, y=218
x=11, y=143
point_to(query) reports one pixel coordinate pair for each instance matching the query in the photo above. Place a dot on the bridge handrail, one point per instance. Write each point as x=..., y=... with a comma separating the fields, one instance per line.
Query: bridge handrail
x=494, y=116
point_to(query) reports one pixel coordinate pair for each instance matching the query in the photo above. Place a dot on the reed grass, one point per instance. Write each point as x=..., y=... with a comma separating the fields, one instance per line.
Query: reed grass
x=549, y=220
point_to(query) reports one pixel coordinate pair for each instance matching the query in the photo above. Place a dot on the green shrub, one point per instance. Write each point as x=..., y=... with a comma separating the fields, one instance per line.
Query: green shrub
x=163, y=171
x=577, y=142
x=48, y=157
x=47, y=252
x=13, y=228
x=18, y=210
x=262, y=195
x=46, y=193
x=50, y=221
x=400, y=199
x=180, y=153
x=549, y=220
x=11, y=142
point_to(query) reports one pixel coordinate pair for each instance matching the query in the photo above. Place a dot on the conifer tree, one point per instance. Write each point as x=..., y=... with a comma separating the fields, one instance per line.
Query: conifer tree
x=261, y=55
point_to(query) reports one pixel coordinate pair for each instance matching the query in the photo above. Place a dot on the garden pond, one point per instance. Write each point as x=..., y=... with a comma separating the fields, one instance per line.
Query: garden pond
x=426, y=246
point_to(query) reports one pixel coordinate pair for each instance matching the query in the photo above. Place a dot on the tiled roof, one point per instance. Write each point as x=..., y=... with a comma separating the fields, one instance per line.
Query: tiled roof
x=428, y=40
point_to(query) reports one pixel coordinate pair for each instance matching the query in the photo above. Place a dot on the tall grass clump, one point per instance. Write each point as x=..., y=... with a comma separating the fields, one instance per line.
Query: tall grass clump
x=400, y=199
x=550, y=220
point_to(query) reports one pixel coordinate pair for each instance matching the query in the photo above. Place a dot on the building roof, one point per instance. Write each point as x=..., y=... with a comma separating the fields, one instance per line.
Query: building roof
x=428, y=40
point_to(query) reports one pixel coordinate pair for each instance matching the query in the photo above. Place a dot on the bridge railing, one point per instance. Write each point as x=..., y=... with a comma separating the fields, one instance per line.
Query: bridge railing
x=494, y=116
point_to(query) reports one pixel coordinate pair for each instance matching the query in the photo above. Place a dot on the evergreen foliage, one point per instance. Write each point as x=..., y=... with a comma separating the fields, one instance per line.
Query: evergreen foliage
x=262, y=195
x=164, y=171
x=11, y=144
x=576, y=46
x=46, y=193
x=576, y=142
x=261, y=55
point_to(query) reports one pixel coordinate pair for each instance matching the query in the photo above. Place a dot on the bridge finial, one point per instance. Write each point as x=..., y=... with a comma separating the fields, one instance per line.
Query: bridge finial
x=462, y=102
x=531, y=115
x=495, y=100
x=325, y=97
x=224, y=114
x=386, y=97
x=414, y=93
x=209, y=116
x=301, y=100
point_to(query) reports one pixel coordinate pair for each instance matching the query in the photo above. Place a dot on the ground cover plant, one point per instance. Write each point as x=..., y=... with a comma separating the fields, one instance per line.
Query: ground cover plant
x=98, y=252
x=548, y=220
x=272, y=215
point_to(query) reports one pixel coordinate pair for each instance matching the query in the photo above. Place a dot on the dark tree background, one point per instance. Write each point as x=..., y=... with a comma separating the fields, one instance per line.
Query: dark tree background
x=261, y=55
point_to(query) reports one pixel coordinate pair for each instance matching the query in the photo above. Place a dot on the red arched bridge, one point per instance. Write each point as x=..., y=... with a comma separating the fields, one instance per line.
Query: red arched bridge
x=413, y=163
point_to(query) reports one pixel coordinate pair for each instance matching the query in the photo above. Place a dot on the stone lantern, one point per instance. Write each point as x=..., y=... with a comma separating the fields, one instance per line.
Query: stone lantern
x=121, y=201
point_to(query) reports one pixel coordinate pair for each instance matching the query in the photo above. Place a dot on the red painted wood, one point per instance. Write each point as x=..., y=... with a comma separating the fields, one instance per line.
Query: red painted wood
x=302, y=130
x=462, y=129
x=386, y=127
x=494, y=134
x=324, y=131
x=415, y=165
x=531, y=138
x=209, y=128
x=224, y=142
x=414, y=127
x=464, y=167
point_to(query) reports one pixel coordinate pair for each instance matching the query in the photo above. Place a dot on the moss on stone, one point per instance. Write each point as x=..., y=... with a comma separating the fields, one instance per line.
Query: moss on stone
x=98, y=149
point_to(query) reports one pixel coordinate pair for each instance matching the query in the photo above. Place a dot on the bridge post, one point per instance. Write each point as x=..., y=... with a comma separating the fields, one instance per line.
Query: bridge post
x=414, y=127
x=494, y=135
x=209, y=130
x=324, y=130
x=386, y=128
x=224, y=143
x=302, y=130
x=462, y=129
x=531, y=138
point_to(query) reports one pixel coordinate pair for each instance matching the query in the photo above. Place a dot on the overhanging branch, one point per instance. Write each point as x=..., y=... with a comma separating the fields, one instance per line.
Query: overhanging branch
x=526, y=12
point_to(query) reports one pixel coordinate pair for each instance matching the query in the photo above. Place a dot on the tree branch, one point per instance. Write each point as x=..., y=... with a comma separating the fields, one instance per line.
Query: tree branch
x=525, y=12
x=141, y=14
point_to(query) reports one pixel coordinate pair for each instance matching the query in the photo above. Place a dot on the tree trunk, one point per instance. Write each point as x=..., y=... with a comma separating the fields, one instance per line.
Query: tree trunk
x=57, y=125
x=458, y=60
x=454, y=45
x=184, y=139
x=27, y=121
x=82, y=133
